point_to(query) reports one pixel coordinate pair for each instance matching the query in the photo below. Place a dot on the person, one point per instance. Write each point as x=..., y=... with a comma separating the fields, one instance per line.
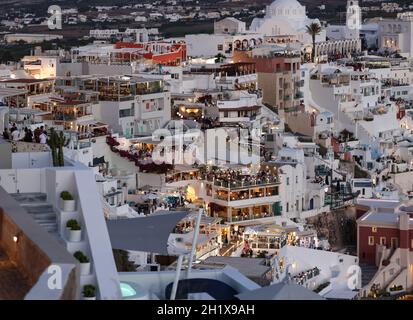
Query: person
x=43, y=137
x=15, y=135
x=6, y=134
x=37, y=133
x=13, y=128
x=28, y=135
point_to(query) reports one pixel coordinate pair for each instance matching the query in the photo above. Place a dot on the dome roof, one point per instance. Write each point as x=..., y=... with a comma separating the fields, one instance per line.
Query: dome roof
x=290, y=9
x=291, y=4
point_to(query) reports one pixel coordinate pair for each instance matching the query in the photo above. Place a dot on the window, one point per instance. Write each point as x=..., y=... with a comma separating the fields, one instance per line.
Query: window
x=371, y=241
x=374, y=229
x=220, y=47
x=296, y=179
x=125, y=113
x=288, y=181
x=287, y=207
x=383, y=241
x=225, y=114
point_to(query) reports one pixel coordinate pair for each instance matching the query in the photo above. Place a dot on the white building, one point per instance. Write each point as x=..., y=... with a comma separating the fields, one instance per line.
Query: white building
x=286, y=17
x=40, y=67
x=229, y=26
x=210, y=45
x=353, y=23
x=397, y=34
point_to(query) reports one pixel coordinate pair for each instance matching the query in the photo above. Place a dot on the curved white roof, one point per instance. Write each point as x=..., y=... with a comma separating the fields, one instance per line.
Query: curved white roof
x=291, y=4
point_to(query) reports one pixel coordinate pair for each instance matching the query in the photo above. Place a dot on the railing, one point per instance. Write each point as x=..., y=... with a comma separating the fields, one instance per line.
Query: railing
x=233, y=184
x=303, y=277
x=252, y=217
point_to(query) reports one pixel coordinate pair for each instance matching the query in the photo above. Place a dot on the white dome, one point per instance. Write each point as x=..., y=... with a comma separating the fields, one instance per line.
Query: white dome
x=285, y=3
x=286, y=8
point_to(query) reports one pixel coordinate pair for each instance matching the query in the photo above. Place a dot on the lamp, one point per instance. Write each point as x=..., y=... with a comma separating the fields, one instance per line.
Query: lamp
x=15, y=239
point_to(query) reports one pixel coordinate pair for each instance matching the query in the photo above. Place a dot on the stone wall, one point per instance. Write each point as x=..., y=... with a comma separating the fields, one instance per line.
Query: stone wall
x=21, y=146
x=338, y=226
x=27, y=256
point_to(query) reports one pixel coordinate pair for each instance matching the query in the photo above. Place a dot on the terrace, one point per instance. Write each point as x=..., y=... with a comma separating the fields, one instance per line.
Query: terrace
x=238, y=179
x=125, y=89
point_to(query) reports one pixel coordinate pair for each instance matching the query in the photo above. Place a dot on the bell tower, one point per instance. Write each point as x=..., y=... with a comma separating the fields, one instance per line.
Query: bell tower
x=353, y=19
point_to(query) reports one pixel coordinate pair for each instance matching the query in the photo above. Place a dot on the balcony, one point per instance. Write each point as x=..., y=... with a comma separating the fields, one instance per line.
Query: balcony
x=242, y=183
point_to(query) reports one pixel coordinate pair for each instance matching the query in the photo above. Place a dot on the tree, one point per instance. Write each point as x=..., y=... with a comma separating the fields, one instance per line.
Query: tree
x=56, y=143
x=52, y=142
x=220, y=58
x=313, y=30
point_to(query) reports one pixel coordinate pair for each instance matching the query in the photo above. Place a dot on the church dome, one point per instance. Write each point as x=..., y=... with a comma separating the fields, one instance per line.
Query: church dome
x=291, y=9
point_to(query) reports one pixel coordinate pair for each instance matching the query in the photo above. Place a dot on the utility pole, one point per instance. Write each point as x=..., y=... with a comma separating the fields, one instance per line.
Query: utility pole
x=194, y=241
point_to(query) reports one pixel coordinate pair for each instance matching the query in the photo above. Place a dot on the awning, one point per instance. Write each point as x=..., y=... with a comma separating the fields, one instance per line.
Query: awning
x=28, y=111
x=148, y=234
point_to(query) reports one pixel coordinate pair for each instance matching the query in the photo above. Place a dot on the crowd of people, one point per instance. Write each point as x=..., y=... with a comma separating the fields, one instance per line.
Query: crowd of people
x=236, y=176
x=39, y=135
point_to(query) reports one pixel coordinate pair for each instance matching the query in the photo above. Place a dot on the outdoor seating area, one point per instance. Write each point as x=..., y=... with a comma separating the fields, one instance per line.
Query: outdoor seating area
x=140, y=156
x=237, y=178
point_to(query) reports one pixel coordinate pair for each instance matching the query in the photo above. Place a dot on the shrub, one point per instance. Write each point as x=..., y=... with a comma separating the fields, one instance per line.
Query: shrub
x=81, y=257
x=89, y=291
x=72, y=224
x=396, y=288
x=66, y=195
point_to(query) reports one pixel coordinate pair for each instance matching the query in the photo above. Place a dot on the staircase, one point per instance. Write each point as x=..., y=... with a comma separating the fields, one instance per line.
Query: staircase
x=368, y=271
x=41, y=211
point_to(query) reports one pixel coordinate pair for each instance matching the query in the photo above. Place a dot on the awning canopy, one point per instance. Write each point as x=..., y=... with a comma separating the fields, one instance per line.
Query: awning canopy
x=148, y=234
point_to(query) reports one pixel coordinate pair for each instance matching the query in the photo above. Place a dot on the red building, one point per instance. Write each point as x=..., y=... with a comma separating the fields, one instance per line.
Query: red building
x=385, y=239
x=158, y=52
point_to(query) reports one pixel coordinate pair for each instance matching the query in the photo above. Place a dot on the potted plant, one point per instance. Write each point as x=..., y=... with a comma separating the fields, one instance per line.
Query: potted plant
x=74, y=230
x=84, y=262
x=89, y=292
x=69, y=204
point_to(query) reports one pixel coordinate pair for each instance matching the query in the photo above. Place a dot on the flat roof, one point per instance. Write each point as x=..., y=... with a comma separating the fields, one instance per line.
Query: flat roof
x=253, y=268
x=25, y=80
x=11, y=92
x=382, y=218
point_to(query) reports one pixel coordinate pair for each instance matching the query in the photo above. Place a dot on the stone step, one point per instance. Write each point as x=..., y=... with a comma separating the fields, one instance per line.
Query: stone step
x=34, y=197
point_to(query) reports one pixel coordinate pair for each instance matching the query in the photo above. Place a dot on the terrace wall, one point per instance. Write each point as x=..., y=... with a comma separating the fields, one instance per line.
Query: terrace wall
x=34, y=251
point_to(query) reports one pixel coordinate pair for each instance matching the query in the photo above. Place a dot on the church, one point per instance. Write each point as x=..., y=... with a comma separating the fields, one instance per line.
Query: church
x=286, y=18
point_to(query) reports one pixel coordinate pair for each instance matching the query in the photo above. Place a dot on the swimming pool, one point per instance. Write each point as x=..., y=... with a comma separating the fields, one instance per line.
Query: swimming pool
x=132, y=291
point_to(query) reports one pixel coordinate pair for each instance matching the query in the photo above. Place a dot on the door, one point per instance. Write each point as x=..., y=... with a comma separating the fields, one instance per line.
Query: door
x=312, y=203
x=28, y=180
